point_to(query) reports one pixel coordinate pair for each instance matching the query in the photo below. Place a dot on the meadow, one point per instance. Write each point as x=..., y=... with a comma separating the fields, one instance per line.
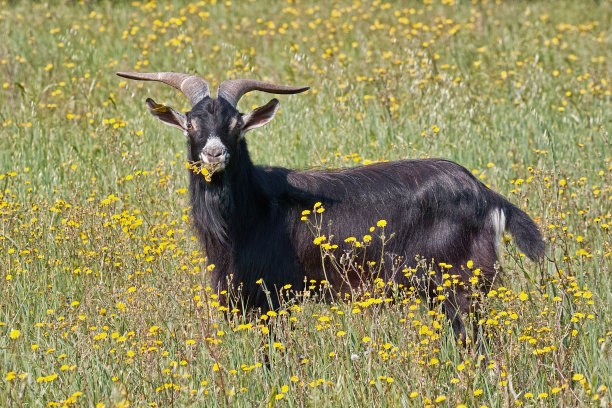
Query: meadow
x=104, y=300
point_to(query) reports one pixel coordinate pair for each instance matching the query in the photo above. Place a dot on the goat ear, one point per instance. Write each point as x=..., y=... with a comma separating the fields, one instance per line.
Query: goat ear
x=167, y=115
x=260, y=116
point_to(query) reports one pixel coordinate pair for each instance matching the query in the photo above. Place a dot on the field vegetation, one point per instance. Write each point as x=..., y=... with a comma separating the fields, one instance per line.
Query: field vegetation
x=104, y=300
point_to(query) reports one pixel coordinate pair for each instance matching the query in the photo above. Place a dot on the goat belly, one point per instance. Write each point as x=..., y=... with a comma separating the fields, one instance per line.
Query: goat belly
x=434, y=210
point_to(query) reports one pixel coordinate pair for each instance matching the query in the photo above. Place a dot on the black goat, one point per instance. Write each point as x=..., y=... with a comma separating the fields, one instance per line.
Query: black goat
x=248, y=217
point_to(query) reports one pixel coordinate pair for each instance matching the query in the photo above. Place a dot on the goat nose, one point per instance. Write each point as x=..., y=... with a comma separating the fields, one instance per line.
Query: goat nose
x=214, y=154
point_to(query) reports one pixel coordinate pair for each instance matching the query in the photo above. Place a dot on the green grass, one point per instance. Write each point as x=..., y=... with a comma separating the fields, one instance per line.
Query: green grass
x=104, y=299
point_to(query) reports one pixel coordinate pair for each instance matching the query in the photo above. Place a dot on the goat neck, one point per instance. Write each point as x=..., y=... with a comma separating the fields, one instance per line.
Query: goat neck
x=229, y=198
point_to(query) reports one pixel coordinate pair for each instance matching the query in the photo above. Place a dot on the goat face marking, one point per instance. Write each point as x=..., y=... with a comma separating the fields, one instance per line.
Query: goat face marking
x=215, y=132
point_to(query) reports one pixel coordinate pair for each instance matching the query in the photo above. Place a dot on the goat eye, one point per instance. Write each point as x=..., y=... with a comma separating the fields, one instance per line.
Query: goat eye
x=189, y=126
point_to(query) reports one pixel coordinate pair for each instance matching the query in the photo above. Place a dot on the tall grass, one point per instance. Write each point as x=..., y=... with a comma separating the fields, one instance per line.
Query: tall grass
x=105, y=300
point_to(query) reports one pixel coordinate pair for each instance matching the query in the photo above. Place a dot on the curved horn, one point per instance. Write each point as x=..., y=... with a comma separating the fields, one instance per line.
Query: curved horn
x=233, y=89
x=192, y=86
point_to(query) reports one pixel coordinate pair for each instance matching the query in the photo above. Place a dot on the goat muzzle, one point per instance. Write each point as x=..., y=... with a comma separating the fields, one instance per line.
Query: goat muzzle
x=214, y=155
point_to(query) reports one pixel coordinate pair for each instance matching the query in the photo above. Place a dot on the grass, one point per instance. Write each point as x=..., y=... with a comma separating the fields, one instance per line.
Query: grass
x=105, y=299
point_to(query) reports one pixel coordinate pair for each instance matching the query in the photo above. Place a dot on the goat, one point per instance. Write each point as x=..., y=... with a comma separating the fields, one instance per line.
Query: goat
x=248, y=217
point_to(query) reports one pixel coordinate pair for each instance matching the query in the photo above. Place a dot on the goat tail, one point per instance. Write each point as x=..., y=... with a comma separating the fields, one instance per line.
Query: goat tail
x=524, y=230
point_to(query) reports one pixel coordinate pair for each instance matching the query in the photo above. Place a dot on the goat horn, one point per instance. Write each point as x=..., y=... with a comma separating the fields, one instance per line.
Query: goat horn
x=192, y=86
x=233, y=89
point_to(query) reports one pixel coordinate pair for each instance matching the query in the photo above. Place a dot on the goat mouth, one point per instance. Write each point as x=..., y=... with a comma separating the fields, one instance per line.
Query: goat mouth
x=206, y=168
